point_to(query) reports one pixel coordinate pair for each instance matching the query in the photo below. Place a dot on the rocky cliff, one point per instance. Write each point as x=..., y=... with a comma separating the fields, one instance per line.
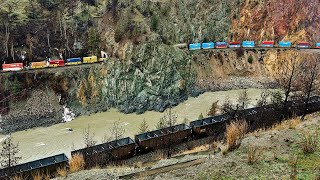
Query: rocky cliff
x=146, y=72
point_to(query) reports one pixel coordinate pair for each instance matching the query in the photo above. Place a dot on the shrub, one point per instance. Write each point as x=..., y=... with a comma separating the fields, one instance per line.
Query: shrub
x=76, y=163
x=250, y=59
x=154, y=22
x=200, y=116
x=253, y=153
x=276, y=98
x=235, y=133
x=214, y=108
x=62, y=172
x=310, y=142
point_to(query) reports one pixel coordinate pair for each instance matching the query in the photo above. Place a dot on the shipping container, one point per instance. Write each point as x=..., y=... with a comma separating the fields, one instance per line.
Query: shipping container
x=106, y=153
x=234, y=44
x=56, y=63
x=195, y=46
x=12, y=67
x=73, y=61
x=47, y=166
x=161, y=138
x=221, y=45
x=39, y=65
x=318, y=45
x=303, y=45
x=208, y=45
x=267, y=43
x=90, y=59
x=248, y=44
x=285, y=44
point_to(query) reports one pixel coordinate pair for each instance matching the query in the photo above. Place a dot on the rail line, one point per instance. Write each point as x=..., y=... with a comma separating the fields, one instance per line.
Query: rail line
x=163, y=169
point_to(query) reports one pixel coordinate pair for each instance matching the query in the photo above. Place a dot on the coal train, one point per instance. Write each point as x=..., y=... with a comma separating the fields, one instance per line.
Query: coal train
x=125, y=148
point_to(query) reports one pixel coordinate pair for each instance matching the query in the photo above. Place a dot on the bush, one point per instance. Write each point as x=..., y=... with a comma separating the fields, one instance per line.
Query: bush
x=253, y=153
x=235, y=133
x=250, y=59
x=154, y=22
x=310, y=142
x=214, y=108
x=76, y=163
x=276, y=98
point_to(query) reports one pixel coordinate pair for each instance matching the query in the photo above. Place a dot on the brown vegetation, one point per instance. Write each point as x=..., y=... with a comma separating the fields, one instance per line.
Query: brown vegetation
x=235, y=133
x=310, y=142
x=254, y=153
x=214, y=109
x=62, y=172
x=76, y=163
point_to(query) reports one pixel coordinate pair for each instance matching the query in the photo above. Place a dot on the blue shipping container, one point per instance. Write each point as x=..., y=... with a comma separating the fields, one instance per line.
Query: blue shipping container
x=221, y=44
x=208, y=45
x=194, y=46
x=248, y=44
x=318, y=45
x=284, y=44
x=73, y=60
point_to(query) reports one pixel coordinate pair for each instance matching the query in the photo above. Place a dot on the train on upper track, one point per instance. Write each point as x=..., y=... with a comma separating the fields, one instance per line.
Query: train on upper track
x=252, y=44
x=191, y=46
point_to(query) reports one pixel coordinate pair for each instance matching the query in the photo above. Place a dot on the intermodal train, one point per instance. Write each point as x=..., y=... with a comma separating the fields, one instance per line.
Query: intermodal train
x=125, y=148
x=52, y=63
x=251, y=44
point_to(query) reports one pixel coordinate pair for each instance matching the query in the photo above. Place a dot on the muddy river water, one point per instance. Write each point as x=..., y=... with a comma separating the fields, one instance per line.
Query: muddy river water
x=43, y=142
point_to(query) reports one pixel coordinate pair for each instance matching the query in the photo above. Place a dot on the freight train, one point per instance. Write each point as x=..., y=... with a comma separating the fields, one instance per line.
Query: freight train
x=52, y=63
x=119, y=150
x=251, y=44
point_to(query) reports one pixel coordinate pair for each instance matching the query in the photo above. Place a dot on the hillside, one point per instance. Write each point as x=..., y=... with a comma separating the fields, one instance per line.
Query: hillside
x=144, y=70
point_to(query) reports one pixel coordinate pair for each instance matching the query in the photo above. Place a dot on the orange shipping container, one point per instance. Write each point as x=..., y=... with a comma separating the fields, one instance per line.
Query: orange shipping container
x=12, y=67
x=36, y=65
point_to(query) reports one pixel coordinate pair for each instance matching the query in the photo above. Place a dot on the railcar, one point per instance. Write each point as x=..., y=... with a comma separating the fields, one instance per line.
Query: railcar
x=285, y=44
x=207, y=45
x=161, y=138
x=110, y=152
x=73, y=61
x=248, y=44
x=303, y=44
x=267, y=44
x=12, y=67
x=90, y=59
x=195, y=46
x=221, y=45
x=234, y=44
x=46, y=166
x=56, y=63
x=212, y=126
x=39, y=65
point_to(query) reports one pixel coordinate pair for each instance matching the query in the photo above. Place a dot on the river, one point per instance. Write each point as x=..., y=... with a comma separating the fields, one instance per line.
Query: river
x=47, y=141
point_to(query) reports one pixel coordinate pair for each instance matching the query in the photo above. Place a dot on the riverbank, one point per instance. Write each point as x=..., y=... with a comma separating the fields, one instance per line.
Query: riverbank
x=46, y=141
x=275, y=153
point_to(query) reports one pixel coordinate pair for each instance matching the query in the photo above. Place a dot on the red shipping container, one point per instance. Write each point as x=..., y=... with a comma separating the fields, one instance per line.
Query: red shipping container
x=234, y=43
x=268, y=42
x=56, y=63
x=12, y=67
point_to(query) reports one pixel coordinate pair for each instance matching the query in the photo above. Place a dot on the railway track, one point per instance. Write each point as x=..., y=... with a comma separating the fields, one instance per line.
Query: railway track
x=163, y=169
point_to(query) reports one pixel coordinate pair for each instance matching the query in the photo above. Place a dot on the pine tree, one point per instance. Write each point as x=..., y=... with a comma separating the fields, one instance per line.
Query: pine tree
x=9, y=153
x=214, y=109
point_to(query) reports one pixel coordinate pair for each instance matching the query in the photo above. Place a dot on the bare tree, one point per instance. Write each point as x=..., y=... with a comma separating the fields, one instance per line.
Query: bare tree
x=243, y=99
x=9, y=153
x=214, y=109
x=227, y=106
x=143, y=126
x=263, y=100
x=308, y=81
x=286, y=77
x=169, y=119
x=88, y=137
x=117, y=130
